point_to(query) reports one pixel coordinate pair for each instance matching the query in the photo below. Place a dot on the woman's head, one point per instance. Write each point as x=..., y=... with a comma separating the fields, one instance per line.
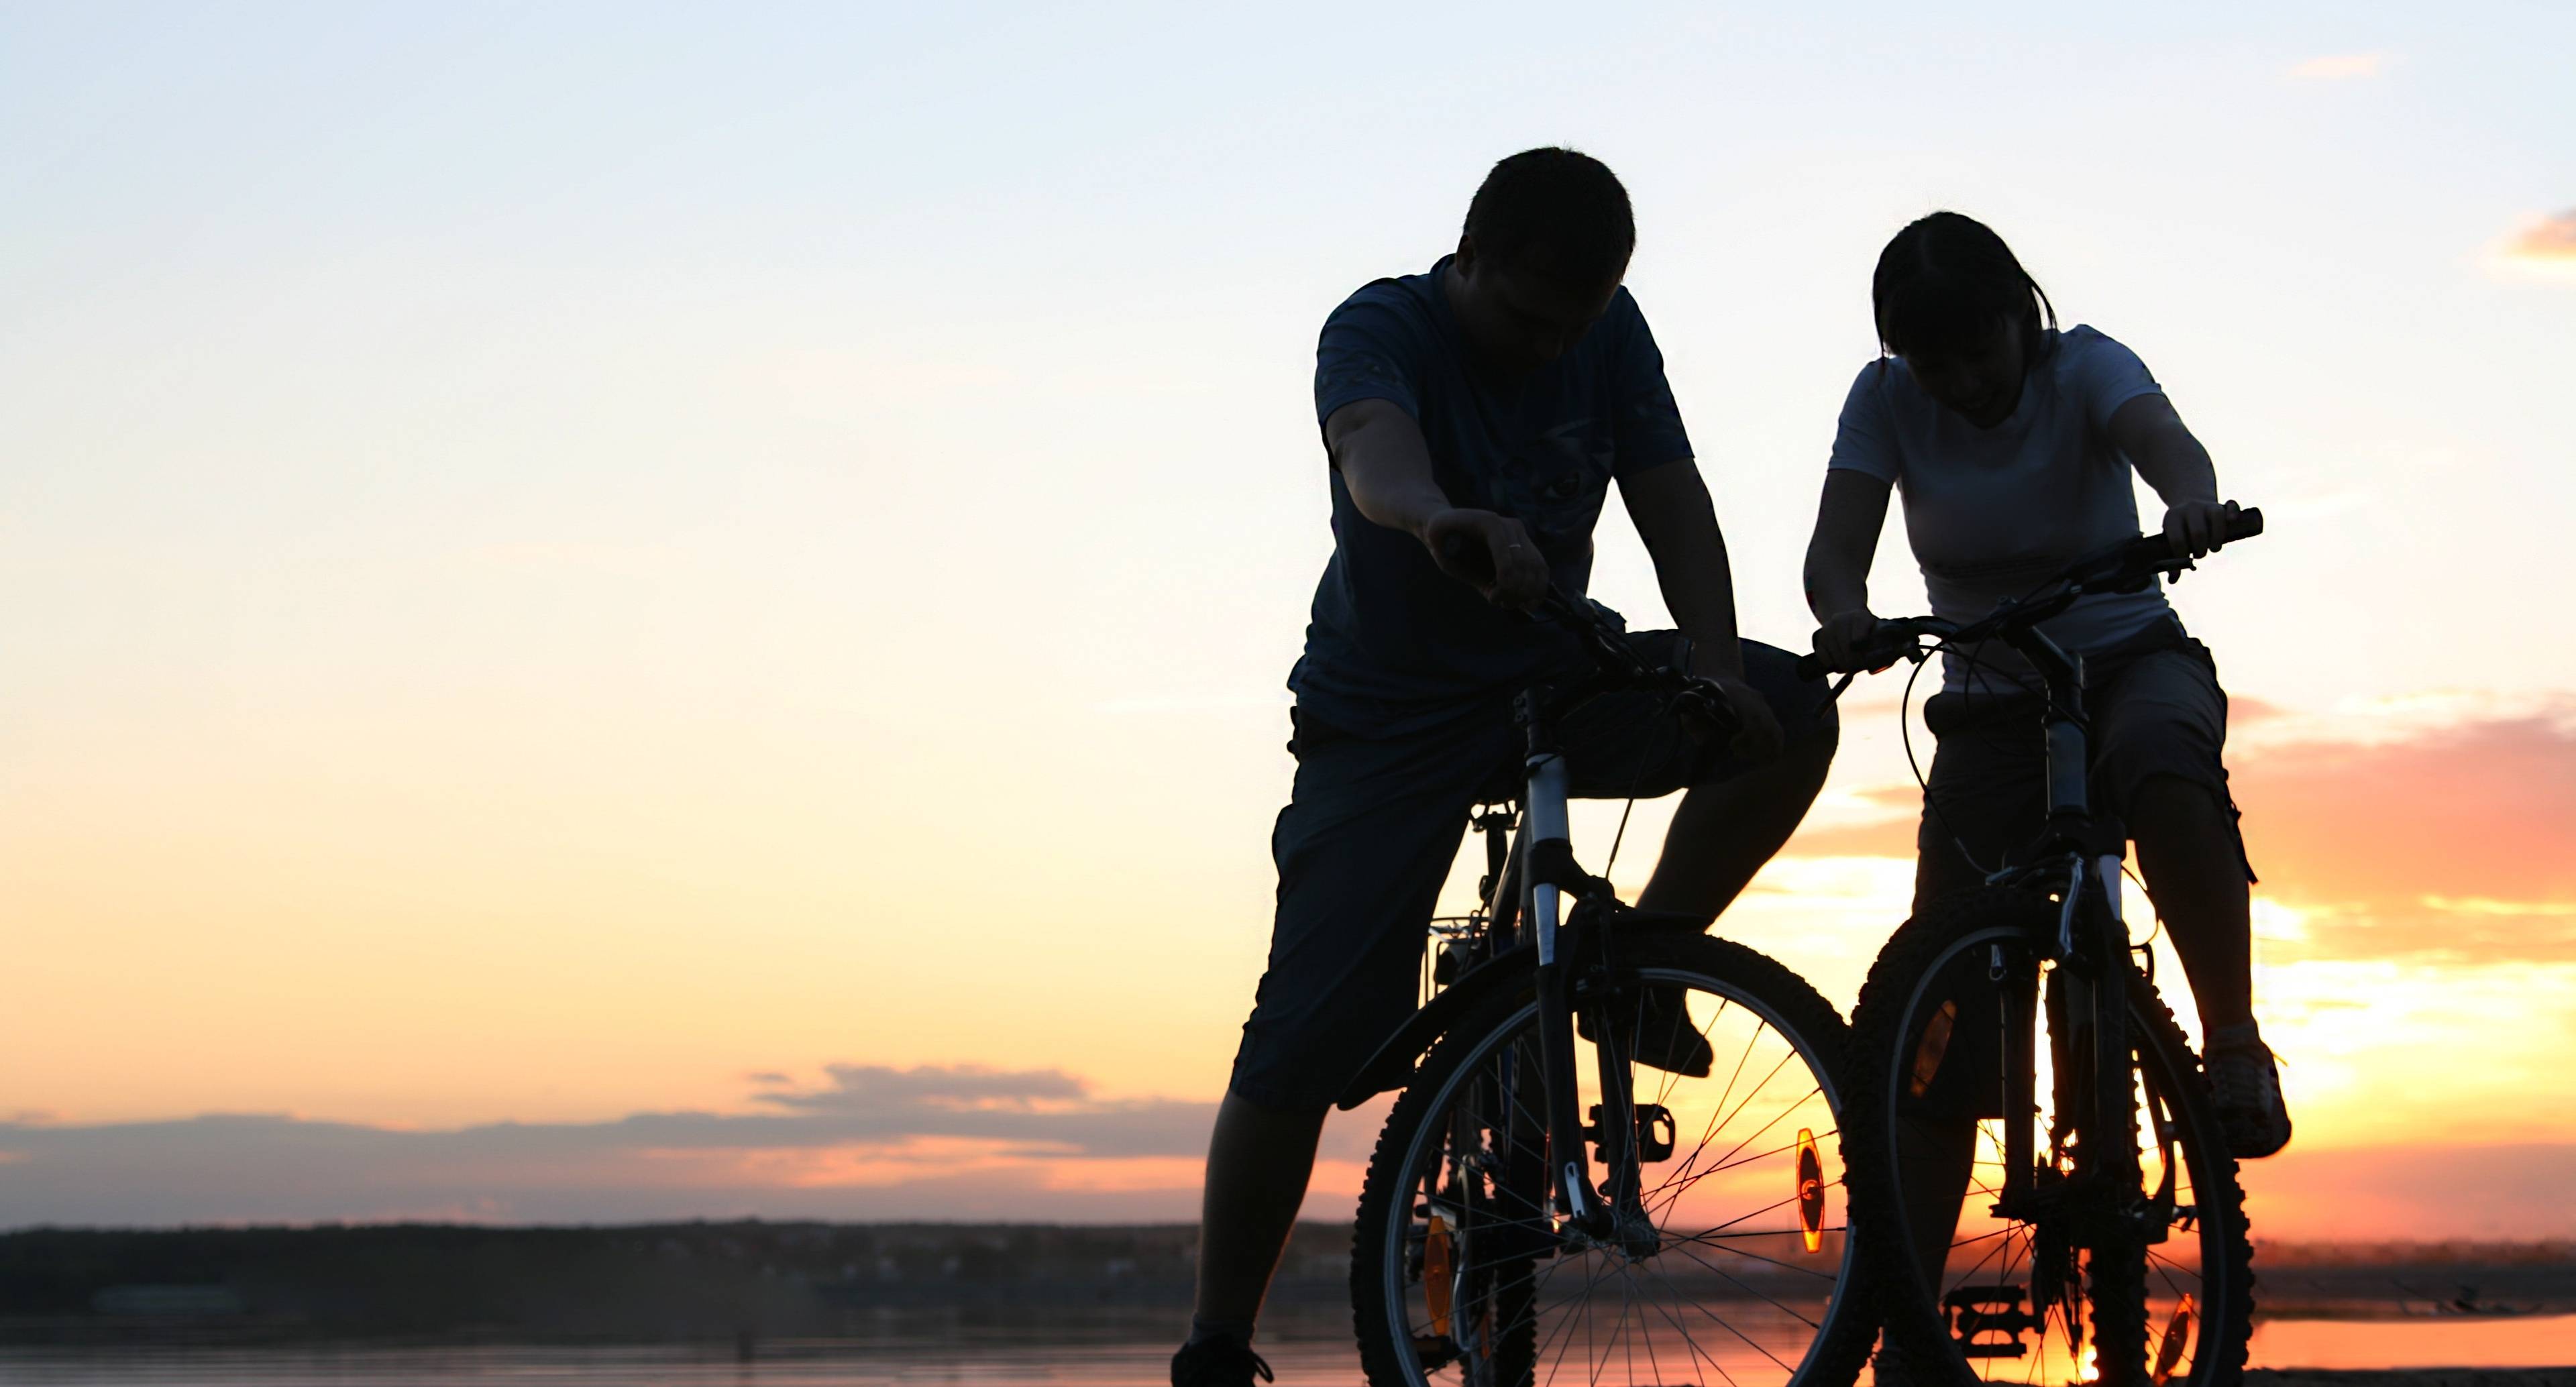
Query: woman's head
x=1953, y=301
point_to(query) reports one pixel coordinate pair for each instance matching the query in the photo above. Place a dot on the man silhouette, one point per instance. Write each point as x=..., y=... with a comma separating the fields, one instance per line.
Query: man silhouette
x=1475, y=418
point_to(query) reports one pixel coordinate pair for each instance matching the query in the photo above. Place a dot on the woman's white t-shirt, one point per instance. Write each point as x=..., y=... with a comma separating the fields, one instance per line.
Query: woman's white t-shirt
x=1992, y=513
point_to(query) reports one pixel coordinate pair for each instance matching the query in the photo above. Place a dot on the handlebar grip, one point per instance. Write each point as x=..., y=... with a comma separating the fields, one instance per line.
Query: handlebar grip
x=1894, y=639
x=2139, y=560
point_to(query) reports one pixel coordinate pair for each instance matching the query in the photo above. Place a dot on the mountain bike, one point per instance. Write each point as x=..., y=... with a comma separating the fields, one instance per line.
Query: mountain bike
x=1543, y=1200
x=2036, y=1171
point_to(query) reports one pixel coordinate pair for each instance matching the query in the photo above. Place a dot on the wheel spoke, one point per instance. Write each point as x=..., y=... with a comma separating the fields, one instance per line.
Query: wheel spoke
x=1687, y=1243
x=1480, y=1149
x=1706, y=1265
x=1727, y=1325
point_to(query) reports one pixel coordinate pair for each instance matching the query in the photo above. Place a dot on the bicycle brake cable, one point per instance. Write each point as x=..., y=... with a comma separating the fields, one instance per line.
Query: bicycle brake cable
x=1905, y=731
x=2154, y=912
x=1905, y=734
x=1637, y=782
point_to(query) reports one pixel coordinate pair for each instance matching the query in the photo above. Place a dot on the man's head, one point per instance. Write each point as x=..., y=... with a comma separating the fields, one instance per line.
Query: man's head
x=1547, y=240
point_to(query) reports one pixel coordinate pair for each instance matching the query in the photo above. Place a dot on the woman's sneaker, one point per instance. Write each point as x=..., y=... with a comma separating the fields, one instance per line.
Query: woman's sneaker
x=2246, y=1084
x=1218, y=1361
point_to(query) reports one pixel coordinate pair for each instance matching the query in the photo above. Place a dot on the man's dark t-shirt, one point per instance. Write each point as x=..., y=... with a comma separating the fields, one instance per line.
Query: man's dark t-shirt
x=1395, y=645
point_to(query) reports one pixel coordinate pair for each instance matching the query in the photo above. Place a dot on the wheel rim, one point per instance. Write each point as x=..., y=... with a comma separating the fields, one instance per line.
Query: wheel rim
x=1732, y=1294
x=1989, y=1258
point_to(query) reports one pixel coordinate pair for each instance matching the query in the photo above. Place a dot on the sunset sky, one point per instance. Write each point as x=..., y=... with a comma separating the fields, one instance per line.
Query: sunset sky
x=615, y=612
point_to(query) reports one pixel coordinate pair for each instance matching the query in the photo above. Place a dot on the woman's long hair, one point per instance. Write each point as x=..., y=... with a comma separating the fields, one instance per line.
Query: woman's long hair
x=1946, y=283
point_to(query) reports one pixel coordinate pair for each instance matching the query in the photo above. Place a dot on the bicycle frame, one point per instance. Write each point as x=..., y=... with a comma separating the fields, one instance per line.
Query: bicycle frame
x=1527, y=887
x=1531, y=894
x=2085, y=1190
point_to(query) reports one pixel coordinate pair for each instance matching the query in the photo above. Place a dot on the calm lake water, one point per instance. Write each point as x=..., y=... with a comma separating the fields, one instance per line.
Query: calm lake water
x=1305, y=1353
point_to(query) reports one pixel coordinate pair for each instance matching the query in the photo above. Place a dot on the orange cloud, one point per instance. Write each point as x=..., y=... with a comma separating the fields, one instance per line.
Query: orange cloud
x=2452, y=841
x=2483, y=810
x=2549, y=238
x=873, y=1142
x=2510, y=1191
x=2541, y=248
x=1891, y=837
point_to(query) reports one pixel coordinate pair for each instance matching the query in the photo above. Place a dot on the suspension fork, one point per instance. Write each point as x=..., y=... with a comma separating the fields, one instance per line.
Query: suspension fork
x=2015, y=976
x=1548, y=848
x=2113, y=1145
x=1615, y=1121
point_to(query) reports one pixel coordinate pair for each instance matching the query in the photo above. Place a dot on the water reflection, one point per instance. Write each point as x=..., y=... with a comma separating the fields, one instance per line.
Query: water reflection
x=1116, y=1349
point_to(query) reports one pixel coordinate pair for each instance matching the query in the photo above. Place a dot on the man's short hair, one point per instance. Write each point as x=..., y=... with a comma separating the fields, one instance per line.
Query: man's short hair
x=1557, y=213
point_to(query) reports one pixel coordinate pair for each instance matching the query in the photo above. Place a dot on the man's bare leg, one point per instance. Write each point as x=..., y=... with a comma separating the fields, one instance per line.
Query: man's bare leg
x=1723, y=833
x=1259, y=1160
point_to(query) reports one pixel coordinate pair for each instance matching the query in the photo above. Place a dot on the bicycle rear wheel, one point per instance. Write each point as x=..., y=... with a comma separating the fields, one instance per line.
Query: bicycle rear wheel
x=1970, y=1294
x=1462, y=1273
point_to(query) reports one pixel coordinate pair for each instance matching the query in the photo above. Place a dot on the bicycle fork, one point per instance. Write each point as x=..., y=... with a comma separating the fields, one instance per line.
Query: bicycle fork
x=2087, y=1009
x=1550, y=850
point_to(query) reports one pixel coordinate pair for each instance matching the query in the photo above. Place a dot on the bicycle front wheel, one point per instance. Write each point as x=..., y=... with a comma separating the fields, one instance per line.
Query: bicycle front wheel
x=1463, y=1272
x=2147, y=1283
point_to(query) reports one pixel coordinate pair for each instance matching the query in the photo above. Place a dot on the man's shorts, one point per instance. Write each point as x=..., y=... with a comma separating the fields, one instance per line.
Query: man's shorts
x=1373, y=827
x=2156, y=710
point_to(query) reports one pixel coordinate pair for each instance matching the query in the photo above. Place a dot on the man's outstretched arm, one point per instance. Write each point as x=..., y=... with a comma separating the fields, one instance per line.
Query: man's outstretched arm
x=1671, y=508
x=1384, y=461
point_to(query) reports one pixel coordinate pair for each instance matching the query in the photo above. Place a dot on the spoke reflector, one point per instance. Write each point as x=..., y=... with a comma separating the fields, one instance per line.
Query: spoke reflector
x=1936, y=1043
x=1811, y=1192
x=2177, y=1338
x=1435, y=1273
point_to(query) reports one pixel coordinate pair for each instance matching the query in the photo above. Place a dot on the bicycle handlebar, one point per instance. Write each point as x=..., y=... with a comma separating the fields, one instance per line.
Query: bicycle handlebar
x=1609, y=649
x=2132, y=564
x=2124, y=567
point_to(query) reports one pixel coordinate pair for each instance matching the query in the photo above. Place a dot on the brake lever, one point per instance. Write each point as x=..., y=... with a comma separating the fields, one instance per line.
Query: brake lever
x=1702, y=693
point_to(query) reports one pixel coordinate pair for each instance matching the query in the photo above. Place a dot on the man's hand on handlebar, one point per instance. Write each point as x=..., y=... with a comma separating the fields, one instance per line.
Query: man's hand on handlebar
x=1491, y=553
x=2196, y=528
x=1757, y=729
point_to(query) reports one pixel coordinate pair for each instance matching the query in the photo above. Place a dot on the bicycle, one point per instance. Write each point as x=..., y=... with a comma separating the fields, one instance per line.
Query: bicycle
x=1486, y=1252
x=1978, y=1239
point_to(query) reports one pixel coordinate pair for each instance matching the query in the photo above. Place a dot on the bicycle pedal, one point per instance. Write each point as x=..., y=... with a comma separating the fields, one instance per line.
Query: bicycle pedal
x=1976, y=1312
x=1655, y=1135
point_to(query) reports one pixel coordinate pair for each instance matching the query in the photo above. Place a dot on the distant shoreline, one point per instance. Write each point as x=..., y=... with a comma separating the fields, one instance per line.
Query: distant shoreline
x=740, y=1282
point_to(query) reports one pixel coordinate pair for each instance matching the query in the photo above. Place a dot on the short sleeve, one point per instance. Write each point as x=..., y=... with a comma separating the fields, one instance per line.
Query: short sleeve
x=1865, y=435
x=2105, y=375
x=1370, y=350
x=1646, y=430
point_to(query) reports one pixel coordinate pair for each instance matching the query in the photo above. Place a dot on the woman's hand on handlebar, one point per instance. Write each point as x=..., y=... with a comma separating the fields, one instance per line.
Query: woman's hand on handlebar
x=1850, y=641
x=1491, y=553
x=2195, y=528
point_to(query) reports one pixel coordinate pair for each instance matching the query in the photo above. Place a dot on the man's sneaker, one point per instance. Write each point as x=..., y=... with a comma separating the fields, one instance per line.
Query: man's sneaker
x=2247, y=1086
x=1218, y=1362
x=1666, y=1039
